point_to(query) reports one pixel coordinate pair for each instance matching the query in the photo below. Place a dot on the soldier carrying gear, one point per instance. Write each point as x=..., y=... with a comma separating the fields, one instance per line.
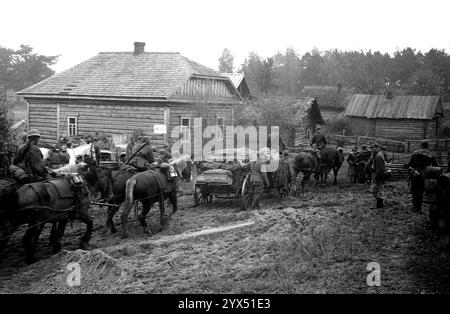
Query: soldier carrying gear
x=30, y=159
x=142, y=155
x=420, y=159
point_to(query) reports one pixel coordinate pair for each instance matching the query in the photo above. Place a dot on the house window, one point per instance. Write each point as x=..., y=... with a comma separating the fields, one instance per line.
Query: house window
x=72, y=126
x=185, y=129
x=221, y=122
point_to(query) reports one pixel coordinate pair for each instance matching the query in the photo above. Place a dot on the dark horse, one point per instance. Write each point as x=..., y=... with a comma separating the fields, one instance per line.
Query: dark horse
x=330, y=159
x=111, y=185
x=306, y=163
x=150, y=187
x=38, y=203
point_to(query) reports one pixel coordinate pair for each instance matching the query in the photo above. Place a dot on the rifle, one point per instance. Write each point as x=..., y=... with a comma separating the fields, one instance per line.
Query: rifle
x=131, y=157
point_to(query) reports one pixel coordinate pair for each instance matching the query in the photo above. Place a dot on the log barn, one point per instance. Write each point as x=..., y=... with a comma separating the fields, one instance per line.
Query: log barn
x=332, y=99
x=396, y=117
x=119, y=93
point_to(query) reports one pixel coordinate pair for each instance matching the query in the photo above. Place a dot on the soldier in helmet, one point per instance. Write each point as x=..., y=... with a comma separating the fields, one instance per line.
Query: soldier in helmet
x=142, y=154
x=420, y=159
x=30, y=159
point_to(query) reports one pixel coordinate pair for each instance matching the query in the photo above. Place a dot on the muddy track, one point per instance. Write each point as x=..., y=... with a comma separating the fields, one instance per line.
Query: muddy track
x=321, y=242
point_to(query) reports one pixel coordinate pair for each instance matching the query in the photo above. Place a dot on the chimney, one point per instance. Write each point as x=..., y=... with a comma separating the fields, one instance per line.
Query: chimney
x=138, y=48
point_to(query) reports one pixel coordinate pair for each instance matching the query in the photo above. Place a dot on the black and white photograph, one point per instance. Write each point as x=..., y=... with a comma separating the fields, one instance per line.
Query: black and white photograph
x=199, y=148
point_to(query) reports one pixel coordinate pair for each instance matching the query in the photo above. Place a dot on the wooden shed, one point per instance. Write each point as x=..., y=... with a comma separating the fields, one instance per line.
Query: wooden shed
x=332, y=99
x=118, y=93
x=399, y=117
x=308, y=117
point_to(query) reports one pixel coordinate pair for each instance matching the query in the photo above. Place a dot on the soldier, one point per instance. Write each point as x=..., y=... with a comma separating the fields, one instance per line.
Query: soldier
x=361, y=162
x=130, y=146
x=30, y=159
x=351, y=160
x=319, y=139
x=54, y=158
x=420, y=159
x=378, y=169
x=64, y=155
x=285, y=176
x=259, y=180
x=142, y=155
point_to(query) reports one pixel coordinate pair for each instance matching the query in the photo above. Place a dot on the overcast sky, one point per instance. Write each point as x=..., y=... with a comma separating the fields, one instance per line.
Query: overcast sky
x=200, y=29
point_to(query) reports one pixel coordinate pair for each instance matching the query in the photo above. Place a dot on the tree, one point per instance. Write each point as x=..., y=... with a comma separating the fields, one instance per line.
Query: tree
x=226, y=62
x=22, y=68
x=287, y=73
x=259, y=73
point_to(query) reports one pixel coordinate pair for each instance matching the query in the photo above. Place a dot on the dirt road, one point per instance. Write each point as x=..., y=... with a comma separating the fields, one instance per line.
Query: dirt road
x=320, y=243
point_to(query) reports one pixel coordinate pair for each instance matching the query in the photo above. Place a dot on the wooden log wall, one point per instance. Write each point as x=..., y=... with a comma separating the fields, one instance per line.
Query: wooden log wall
x=401, y=129
x=42, y=117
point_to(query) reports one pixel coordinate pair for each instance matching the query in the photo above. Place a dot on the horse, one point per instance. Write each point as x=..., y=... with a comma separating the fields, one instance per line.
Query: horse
x=111, y=185
x=306, y=163
x=53, y=201
x=330, y=159
x=148, y=188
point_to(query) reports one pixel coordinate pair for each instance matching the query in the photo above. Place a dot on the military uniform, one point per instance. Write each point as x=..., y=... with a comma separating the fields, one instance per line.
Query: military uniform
x=362, y=161
x=377, y=189
x=143, y=156
x=258, y=178
x=351, y=160
x=319, y=140
x=30, y=159
x=284, y=177
x=420, y=159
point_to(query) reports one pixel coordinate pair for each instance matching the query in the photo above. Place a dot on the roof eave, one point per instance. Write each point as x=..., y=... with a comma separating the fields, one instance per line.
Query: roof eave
x=119, y=98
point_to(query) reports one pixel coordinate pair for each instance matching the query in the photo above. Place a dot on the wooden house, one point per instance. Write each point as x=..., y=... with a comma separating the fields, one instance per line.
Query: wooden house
x=307, y=117
x=332, y=99
x=240, y=83
x=119, y=93
x=399, y=117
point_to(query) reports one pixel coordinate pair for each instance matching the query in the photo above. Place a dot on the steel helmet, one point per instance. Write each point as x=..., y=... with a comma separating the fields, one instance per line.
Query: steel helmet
x=33, y=132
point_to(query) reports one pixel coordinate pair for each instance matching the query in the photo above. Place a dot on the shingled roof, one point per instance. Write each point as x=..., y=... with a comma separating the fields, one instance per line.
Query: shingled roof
x=149, y=75
x=398, y=107
x=328, y=96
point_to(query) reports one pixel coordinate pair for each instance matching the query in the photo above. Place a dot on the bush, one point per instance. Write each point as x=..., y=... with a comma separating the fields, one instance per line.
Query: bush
x=339, y=126
x=444, y=129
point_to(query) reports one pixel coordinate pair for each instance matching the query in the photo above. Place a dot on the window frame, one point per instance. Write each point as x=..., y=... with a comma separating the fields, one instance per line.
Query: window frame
x=75, y=125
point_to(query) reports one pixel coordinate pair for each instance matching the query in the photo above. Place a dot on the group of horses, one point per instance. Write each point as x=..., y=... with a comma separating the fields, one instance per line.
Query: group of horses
x=58, y=201
x=318, y=163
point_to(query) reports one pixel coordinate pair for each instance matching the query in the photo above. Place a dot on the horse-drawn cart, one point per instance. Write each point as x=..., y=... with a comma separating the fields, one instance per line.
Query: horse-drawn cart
x=226, y=179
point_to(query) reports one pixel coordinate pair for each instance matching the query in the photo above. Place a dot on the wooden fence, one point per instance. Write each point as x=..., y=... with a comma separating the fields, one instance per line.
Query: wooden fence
x=407, y=146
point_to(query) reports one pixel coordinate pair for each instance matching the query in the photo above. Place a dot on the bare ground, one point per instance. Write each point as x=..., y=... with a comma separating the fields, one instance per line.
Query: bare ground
x=319, y=243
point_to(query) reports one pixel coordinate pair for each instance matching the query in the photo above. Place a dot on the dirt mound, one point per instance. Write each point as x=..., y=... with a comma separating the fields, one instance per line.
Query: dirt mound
x=99, y=272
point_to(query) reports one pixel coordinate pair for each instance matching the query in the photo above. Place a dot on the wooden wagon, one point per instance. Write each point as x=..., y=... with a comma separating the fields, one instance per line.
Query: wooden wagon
x=225, y=179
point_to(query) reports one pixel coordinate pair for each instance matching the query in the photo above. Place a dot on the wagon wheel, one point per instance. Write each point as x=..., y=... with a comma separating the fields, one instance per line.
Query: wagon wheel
x=246, y=193
x=201, y=196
